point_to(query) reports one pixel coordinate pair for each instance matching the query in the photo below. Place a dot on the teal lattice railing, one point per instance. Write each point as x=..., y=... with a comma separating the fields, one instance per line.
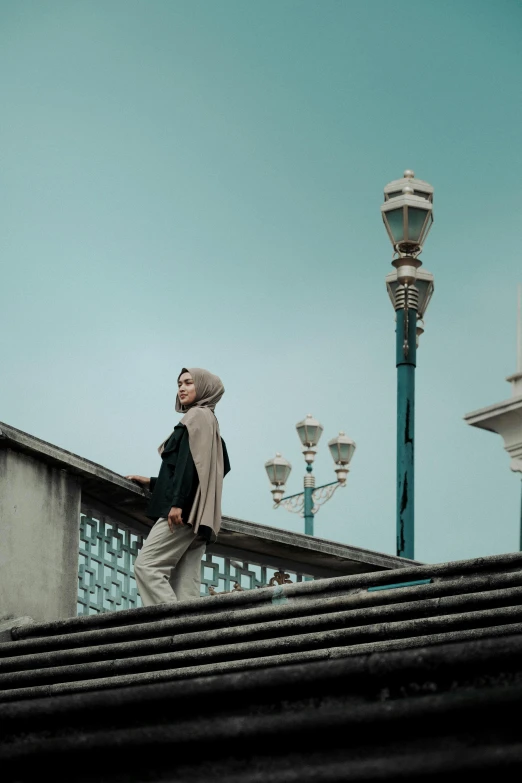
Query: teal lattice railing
x=223, y=574
x=106, y=566
x=108, y=551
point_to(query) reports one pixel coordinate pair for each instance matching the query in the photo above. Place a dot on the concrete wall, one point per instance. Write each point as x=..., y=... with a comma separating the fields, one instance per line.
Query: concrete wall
x=39, y=538
x=40, y=500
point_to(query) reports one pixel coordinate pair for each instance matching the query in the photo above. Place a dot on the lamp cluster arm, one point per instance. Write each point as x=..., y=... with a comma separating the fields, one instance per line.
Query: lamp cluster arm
x=308, y=502
x=320, y=495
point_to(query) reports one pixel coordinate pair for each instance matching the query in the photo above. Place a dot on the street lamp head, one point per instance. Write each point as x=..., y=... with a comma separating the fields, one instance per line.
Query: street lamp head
x=309, y=431
x=342, y=449
x=424, y=283
x=407, y=213
x=278, y=469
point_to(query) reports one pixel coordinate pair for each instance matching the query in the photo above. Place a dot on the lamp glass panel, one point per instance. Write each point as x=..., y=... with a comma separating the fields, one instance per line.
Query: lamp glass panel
x=309, y=433
x=313, y=434
x=345, y=451
x=270, y=472
x=416, y=220
x=429, y=223
x=395, y=220
x=334, y=451
x=281, y=473
x=341, y=452
x=301, y=431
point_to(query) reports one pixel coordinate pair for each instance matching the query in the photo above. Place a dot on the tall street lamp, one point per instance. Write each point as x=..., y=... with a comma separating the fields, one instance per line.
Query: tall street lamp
x=407, y=213
x=308, y=502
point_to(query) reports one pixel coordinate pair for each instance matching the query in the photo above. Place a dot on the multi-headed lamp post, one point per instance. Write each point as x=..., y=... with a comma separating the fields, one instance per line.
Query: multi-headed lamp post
x=307, y=503
x=407, y=213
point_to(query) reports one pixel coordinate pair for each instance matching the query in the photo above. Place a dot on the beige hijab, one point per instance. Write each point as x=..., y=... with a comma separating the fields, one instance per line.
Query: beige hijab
x=206, y=448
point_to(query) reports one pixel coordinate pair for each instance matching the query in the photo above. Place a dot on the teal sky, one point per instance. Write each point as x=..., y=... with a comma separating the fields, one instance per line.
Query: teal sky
x=198, y=183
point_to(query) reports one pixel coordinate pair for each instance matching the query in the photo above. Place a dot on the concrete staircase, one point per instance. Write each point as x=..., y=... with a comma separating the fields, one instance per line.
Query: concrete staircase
x=414, y=607
x=355, y=678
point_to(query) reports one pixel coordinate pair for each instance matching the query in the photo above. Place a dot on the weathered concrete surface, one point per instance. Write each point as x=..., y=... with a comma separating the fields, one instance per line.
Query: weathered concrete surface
x=7, y=625
x=274, y=624
x=42, y=490
x=325, y=645
x=39, y=535
x=489, y=568
x=334, y=618
x=107, y=491
x=438, y=714
x=197, y=650
x=316, y=605
x=117, y=681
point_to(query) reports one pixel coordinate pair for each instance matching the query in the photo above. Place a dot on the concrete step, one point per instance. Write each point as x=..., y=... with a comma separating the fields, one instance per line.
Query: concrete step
x=88, y=675
x=330, y=618
x=323, y=588
x=186, y=672
x=267, y=622
x=439, y=713
x=202, y=615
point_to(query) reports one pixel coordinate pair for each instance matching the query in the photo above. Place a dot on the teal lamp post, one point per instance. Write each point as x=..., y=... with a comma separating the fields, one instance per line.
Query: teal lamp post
x=407, y=213
x=308, y=502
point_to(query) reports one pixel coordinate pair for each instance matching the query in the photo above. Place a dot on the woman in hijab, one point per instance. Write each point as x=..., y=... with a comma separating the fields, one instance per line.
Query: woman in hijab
x=186, y=495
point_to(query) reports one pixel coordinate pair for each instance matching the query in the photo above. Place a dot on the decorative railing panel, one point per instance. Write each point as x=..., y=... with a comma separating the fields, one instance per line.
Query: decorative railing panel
x=108, y=551
x=224, y=574
x=106, y=567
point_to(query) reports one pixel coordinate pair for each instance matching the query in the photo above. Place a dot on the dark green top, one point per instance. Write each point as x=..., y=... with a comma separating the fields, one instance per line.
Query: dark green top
x=177, y=482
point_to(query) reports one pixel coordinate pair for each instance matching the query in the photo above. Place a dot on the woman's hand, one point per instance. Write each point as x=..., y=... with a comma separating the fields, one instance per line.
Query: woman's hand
x=174, y=518
x=143, y=480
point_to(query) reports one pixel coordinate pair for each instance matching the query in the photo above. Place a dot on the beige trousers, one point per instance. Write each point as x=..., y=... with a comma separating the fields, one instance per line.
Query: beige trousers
x=168, y=567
